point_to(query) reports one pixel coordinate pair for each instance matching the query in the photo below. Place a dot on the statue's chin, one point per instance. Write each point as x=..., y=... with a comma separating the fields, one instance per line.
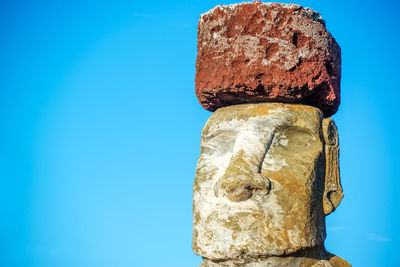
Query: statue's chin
x=315, y=256
x=246, y=233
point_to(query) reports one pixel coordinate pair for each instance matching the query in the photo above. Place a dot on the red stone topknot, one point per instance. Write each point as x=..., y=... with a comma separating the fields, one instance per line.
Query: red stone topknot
x=266, y=52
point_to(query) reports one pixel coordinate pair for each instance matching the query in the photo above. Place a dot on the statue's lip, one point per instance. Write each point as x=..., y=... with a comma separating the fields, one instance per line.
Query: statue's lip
x=254, y=204
x=224, y=206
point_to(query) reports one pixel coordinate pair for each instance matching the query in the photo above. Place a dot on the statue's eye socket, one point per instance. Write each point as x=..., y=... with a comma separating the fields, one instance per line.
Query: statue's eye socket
x=220, y=134
x=293, y=149
x=297, y=140
x=220, y=142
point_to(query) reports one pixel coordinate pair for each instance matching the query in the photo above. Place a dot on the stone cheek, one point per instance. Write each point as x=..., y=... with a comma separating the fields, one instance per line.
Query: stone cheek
x=266, y=52
x=281, y=168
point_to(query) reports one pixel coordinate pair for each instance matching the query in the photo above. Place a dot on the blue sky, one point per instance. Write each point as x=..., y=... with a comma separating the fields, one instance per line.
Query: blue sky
x=100, y=131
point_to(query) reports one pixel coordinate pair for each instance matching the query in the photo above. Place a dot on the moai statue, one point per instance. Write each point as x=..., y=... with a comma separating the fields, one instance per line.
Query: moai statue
x=268, y=172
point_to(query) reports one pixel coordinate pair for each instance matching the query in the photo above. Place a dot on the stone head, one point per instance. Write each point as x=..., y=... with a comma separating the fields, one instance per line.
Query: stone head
x=267, y=176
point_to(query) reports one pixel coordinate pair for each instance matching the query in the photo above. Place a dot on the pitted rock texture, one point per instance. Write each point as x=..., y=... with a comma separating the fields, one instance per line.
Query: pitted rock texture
x=256, y=52
x=264, y=182
x=314, y=257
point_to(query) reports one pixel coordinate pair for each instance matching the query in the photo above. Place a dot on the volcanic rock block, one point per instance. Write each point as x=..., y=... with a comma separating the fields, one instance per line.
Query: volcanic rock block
x=266, y=52
x=267, y=176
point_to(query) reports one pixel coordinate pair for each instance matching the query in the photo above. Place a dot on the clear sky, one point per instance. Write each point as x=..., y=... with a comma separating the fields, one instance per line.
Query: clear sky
x=100, y=131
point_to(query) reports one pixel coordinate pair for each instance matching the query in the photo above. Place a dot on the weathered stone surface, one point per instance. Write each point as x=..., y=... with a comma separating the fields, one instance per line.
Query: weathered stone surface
x=259, y=189
x=315, y=257
x=266, y=52
x=333, y=187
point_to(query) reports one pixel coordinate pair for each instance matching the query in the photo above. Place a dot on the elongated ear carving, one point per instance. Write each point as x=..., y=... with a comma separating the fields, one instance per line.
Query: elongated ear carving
x=333, y=193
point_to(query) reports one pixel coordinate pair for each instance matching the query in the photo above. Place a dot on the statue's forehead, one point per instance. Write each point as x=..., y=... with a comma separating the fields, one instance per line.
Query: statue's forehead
x=265, y=116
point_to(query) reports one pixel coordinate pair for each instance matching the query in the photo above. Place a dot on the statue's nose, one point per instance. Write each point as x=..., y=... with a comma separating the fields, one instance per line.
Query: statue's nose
x=241, y=179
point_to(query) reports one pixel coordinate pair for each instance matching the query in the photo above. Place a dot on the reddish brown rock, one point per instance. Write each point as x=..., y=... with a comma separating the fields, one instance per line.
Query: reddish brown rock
x=266, y=52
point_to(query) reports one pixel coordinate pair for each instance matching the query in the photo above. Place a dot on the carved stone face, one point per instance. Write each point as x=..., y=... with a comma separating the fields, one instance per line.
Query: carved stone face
x=260, y=181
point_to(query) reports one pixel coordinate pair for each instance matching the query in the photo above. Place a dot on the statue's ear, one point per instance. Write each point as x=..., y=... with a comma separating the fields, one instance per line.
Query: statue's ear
x=333, y=192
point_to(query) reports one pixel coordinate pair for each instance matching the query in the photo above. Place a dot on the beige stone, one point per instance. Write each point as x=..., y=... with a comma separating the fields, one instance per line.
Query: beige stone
x=260, y=193
x=316, y=257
